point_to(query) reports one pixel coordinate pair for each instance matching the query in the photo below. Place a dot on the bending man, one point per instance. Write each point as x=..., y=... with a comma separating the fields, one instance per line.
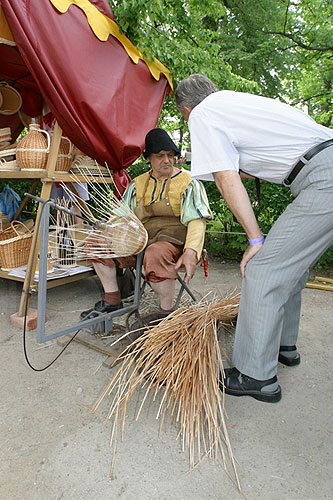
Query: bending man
x=233, y=132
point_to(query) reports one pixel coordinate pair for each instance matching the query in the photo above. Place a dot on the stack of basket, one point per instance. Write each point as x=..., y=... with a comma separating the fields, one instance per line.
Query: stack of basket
x=15, y=245
x=8, y=158
x=5, y=137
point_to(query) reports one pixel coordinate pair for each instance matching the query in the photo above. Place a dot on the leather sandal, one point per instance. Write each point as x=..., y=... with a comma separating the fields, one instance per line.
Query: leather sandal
x=100, y=307
x=236, y=383
x=292, y=359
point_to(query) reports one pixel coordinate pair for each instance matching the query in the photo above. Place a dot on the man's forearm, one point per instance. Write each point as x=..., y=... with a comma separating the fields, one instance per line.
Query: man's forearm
x=231, y=187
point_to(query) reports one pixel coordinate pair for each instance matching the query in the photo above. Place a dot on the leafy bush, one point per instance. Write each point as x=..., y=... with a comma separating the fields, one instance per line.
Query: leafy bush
x=274, y=200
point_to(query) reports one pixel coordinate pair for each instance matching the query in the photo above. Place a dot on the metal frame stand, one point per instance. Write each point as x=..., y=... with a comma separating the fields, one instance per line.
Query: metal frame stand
x=103, y=321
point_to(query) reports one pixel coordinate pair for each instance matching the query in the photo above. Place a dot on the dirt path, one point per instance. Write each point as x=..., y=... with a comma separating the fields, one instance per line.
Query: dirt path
x=52, y=448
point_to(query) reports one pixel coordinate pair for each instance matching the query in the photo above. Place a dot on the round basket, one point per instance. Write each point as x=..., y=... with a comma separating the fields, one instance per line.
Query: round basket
x=11, y=99
x=65, y=155
x=33, y=149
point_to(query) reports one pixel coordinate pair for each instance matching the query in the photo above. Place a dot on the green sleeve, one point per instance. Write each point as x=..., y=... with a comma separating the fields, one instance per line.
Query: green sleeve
x=129, y=197
x=194, y=204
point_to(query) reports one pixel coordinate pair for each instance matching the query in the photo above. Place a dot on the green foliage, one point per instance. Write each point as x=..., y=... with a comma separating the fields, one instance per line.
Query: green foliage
x=274, y=200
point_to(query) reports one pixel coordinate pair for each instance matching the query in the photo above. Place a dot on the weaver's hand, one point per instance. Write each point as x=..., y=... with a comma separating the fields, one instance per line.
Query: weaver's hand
x=189, y=261
x=94, y=243
x=248, y=254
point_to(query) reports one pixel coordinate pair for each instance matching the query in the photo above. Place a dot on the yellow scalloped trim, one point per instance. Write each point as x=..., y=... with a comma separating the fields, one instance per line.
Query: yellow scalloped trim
x=103, y=27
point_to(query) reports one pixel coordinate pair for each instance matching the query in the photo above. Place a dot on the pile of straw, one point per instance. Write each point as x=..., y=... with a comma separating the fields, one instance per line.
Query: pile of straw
x=180, y=358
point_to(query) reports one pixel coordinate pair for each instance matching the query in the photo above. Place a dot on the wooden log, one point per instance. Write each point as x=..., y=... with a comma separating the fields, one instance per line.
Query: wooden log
x=323, y=280
x=319, y=287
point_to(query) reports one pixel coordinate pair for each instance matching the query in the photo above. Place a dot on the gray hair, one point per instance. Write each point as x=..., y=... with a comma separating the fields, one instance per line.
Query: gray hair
x=192, y=90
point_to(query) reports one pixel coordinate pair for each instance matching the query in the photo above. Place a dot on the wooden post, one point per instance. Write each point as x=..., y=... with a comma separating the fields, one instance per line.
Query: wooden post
x=45, y=194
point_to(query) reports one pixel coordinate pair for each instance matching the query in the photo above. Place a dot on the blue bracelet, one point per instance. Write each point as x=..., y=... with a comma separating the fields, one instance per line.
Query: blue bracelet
x=257, y=241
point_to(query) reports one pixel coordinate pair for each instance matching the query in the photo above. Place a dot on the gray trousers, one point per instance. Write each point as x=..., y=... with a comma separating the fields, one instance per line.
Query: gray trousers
x=270, y=304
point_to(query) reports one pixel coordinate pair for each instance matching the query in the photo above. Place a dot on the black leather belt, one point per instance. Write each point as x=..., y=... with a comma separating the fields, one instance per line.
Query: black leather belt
x=300, y=164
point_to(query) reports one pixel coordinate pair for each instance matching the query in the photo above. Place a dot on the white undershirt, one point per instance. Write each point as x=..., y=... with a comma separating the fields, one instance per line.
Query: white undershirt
x=261, y=136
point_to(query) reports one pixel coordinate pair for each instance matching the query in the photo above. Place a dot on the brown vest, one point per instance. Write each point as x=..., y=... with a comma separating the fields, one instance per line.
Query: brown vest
x=159, y=220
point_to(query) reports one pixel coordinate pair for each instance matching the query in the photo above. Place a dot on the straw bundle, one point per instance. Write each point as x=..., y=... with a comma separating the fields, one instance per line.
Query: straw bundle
x=181, y=358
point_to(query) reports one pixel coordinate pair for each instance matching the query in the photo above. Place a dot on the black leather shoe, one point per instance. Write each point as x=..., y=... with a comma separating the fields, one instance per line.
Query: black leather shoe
x=237, y=384
x=293, y=358
x=100, y=307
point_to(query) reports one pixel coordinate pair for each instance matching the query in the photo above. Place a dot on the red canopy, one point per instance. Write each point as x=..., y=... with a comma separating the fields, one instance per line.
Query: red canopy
x=103, y=101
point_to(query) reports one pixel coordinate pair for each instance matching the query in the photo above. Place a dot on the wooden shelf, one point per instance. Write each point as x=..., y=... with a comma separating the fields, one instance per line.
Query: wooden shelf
x=56, y=177
x=50, y=283
x=46, y=176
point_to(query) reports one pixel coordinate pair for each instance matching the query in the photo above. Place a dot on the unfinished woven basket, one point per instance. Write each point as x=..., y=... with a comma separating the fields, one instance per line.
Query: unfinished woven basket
x=33, y=149
x=14, y=246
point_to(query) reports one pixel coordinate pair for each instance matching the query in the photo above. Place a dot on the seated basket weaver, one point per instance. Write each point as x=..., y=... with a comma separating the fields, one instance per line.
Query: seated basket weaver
x=173, y=208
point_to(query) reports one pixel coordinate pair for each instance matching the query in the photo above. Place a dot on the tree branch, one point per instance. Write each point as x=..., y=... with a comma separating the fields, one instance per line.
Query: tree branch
x=298, y=42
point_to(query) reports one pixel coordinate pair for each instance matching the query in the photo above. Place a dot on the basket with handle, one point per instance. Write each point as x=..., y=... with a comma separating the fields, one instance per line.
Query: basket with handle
x=65, y=155
x=15, y=246
x=33, y=149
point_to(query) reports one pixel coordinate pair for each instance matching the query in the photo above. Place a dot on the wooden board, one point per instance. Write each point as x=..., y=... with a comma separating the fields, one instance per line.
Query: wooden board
x=100, y=343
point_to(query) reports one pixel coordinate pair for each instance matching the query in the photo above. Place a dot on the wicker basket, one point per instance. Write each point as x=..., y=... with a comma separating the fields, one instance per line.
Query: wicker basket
x=32, y=150
x=11, y=99
x=14, y=246
x=8, y=159
x=65, y=155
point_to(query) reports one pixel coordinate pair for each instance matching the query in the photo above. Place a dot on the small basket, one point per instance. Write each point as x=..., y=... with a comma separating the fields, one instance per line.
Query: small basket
x=11, y=99
x=14, y=246
x=65, y=155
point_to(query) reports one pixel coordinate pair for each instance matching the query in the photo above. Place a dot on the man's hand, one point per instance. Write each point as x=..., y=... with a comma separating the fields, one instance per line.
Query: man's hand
x=248, y=254
x=189, y=261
